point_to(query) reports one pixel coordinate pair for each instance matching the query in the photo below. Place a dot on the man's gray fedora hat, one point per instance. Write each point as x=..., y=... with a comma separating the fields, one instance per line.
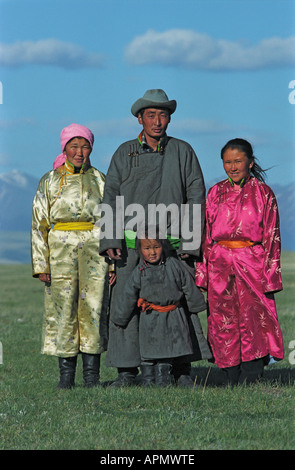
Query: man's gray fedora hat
x=153, y=99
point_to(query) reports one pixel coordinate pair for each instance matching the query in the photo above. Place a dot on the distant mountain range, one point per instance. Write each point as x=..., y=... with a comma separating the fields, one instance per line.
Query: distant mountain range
x=18, y=189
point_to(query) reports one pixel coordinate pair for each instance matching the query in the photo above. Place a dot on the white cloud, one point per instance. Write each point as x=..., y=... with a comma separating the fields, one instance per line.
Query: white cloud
x=48, y=52
x=190, y=49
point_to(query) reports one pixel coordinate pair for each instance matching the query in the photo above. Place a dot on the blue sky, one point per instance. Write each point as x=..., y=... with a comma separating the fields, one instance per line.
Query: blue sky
x=228, y=64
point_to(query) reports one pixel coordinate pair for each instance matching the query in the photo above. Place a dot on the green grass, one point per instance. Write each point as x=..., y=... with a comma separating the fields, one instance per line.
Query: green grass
x=36, y=416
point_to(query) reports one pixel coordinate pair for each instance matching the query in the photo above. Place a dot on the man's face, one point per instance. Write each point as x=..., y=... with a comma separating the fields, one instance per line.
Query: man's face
x=155, y=122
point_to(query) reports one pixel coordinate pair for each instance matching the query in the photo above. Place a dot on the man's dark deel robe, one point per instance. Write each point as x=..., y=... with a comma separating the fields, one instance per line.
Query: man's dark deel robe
x=171, y=175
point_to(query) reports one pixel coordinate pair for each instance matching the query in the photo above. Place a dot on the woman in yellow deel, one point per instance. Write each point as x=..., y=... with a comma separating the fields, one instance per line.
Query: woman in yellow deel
x=65, y=256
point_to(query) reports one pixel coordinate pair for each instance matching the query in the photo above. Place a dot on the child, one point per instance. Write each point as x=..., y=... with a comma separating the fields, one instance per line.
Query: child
x=159, y=285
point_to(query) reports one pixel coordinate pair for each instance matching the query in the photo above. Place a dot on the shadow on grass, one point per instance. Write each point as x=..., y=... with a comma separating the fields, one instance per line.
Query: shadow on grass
x=212, y=376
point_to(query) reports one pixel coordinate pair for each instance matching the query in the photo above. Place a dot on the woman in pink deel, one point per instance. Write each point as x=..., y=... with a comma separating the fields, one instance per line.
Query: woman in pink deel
x=241, y=267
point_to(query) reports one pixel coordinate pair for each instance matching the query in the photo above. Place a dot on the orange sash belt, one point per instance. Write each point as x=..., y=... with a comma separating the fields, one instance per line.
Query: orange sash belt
x=145, y=305
x=235, y=243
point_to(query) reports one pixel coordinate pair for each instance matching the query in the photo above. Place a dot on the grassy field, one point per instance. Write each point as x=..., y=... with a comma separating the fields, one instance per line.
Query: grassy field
x=36, y=416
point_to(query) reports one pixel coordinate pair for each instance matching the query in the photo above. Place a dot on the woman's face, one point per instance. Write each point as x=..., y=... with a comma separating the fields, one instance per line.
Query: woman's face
x=78, y=151
x=151, y=250
x=236, y=165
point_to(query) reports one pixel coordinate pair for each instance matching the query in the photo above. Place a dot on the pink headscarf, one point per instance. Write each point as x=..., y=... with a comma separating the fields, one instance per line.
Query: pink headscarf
x=68, y=133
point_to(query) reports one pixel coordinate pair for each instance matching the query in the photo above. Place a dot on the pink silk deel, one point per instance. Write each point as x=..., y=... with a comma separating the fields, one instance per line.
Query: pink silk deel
x=242, y=320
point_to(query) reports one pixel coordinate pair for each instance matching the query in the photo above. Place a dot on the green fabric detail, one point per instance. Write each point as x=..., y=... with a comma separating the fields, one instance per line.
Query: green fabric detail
x=232, y=183
x=174, y=242
x=74, y=168
x=130, y=239
x=139, y=138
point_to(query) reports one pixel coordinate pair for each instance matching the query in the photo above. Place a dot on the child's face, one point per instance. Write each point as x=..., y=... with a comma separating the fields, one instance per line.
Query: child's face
x=151, y=250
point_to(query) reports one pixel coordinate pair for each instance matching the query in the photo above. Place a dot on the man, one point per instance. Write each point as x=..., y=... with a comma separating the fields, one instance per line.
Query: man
x=145, y=172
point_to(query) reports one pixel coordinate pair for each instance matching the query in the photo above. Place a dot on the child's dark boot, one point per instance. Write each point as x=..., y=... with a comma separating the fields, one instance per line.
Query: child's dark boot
x=163, y=376
x=147, y=373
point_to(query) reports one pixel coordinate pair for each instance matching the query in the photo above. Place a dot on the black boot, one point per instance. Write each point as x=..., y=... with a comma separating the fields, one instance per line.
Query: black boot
x=163, y=376
x=232, y=375
x=67, y=369
x=251, y=371
x=147, y=373
x=91, y=367
x=125, y=377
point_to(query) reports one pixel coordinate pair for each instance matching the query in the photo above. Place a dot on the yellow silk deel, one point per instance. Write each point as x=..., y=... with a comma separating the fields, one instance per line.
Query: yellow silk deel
x=76, y=301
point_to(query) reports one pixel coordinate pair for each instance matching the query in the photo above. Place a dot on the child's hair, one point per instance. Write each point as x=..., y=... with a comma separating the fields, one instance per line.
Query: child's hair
x=154, y=234
x=245, y=147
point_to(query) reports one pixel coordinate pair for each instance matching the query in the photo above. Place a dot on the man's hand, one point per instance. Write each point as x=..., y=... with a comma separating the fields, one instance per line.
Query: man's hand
x=114, y=253
x=184, y=255
x=112, y=278
x=45, y=278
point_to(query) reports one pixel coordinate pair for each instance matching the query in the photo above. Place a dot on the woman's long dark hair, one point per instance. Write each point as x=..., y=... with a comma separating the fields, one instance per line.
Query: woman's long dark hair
x=245, y=147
